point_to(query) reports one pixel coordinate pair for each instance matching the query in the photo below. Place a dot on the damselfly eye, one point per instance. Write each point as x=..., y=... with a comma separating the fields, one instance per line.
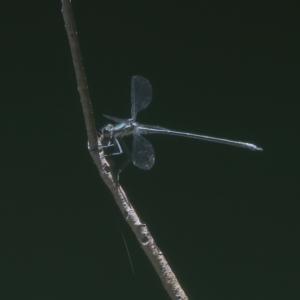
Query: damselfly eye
x=107, y=129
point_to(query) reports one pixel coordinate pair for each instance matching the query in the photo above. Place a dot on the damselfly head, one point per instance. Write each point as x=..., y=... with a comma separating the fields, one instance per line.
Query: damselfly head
x=107, y=130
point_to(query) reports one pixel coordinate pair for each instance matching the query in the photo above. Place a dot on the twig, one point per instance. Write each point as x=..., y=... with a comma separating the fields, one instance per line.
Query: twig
x=94, y=144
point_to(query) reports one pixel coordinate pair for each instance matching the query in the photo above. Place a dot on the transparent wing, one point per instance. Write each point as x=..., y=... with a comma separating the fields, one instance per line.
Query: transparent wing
x=115, y=119
x=141, y=94
x=143, y=155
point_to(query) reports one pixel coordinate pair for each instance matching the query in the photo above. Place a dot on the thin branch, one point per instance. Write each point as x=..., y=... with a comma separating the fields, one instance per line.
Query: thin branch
x=94, y=144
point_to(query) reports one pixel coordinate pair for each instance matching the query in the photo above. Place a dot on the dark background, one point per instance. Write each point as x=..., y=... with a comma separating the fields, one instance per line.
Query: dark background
x=227, y=219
